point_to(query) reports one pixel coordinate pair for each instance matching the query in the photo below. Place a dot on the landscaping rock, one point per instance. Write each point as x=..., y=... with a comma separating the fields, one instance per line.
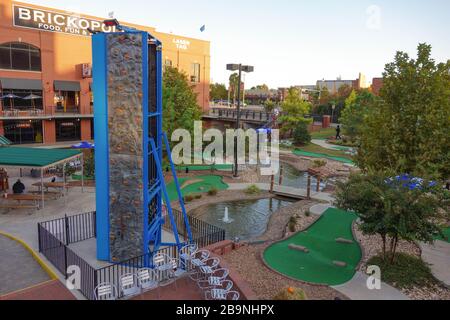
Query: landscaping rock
x=125, y=80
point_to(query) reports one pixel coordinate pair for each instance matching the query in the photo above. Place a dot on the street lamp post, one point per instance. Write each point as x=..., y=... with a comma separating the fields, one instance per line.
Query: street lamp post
x=240, y=68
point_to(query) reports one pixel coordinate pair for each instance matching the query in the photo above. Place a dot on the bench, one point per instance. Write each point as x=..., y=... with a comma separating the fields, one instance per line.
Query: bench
x=10, y=207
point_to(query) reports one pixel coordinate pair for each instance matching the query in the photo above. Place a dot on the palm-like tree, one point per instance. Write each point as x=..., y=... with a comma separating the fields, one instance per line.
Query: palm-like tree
x=233, y=83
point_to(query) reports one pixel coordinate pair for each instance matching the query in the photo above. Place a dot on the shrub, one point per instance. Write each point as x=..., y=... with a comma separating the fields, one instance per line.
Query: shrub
x=406, y=272
x=307, y=213
x=290, y=294
x=301, y=135
x=198, y=196
x=319, y=163
x=213, y=192
x=253, y=189
x=188, y=198
x=292, y=224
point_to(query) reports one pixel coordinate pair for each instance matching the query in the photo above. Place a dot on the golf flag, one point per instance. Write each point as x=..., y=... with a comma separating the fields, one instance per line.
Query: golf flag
x=203, y=28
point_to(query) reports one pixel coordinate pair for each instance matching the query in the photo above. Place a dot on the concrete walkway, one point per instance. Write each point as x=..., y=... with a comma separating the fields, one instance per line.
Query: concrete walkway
x=18, y=269
x=356, y=289
x=438, y=257
x=324, y=144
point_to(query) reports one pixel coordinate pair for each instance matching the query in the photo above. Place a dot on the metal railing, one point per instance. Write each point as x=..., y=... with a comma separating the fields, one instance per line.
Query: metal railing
x=249, y=115
x=55, y=236
x=111, y=274
x=72, y=229
x=21, y=113
x=203, y=233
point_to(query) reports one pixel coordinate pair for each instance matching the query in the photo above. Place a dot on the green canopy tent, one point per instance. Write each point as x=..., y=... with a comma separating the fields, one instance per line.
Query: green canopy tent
x=39, y=159
x=4, y=141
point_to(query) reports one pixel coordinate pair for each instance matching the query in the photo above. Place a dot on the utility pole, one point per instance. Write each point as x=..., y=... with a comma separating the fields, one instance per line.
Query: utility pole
x=240, y=68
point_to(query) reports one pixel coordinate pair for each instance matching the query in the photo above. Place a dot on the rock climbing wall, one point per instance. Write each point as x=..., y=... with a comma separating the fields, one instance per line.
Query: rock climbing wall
x=125, y=79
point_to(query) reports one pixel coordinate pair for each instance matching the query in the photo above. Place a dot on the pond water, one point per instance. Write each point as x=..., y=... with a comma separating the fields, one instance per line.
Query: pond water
x=248, y=219
x=297, y=179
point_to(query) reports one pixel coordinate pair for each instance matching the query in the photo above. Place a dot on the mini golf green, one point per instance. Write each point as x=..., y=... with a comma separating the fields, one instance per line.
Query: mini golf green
x=222, y=167
x=318, y=266
x=207, y=183
x=299, y=152
x=446, y=237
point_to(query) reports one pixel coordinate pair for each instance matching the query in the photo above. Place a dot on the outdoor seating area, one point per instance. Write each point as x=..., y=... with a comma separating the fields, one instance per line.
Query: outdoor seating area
x=193, y=265
x=32, y=190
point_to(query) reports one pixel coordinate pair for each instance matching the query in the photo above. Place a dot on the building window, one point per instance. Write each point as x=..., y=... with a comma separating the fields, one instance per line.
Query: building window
x=195, y=72
x=20, y=56
x=67, y=130
x=25, y=99
x=23, y=132
x=67, y=101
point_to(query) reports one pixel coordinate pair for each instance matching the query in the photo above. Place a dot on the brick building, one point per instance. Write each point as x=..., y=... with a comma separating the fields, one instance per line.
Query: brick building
x=45, y=72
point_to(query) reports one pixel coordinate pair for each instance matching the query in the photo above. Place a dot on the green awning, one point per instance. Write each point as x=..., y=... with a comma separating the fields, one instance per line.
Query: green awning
x=20, y=84
x=67, y=86
x=4, y=141
x=35, y=157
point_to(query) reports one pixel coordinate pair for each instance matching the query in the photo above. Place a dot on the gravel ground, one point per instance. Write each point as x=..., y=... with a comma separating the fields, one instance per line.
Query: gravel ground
x=373, y=246
x=266, y=283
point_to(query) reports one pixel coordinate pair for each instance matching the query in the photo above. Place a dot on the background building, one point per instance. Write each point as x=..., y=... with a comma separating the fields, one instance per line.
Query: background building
x=377, y=84
x=45, y=71
x=334, y=85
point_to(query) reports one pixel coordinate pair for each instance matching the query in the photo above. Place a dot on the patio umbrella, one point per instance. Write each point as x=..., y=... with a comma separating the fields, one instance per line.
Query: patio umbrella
x=83, y=145
x=11, y=98
x=32, y=97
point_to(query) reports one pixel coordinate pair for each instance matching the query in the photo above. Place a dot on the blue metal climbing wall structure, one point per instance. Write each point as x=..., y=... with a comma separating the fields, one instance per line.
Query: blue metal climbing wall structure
x=130, y=188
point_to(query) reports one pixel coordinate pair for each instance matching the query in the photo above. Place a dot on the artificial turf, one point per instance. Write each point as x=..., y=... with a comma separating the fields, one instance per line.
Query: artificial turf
x=299, y=152
x=221, y=167
x=320, y=239
x=446, y=237
x=207, y=183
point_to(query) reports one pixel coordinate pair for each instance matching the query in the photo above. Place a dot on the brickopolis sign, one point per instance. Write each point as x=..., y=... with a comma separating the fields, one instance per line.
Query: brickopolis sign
x=56, y=22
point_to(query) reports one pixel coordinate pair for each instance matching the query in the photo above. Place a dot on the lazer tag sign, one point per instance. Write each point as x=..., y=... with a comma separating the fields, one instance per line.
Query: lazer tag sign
x=56, y=22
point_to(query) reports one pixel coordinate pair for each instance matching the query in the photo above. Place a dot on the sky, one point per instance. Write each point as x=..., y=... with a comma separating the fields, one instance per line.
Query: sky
x=290, y=42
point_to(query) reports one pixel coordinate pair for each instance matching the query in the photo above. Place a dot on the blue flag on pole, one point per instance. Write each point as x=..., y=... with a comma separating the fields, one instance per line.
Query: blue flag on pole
x=203, y=28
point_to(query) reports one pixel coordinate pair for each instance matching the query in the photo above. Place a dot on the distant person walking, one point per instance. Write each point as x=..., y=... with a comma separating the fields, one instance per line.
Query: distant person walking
x=18, y=187
x=338, y=133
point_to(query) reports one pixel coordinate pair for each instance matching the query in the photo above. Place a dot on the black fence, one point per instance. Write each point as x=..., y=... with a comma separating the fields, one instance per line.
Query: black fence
x=72, y=229
x=55, y=236
x=250, y=115
x=54, y=248
x=203, y=233
x=111, y=274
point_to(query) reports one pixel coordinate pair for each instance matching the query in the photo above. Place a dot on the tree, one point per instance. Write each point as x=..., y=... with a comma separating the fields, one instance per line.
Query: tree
x=357, y=107
x=269, y=105
x=218, y=91
x=400, y=208
x=180, y=108
x=301, y=134
x=294, y=111
x=408, y=128
x=263, y=87
x=233, y=85
x=89, y=165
